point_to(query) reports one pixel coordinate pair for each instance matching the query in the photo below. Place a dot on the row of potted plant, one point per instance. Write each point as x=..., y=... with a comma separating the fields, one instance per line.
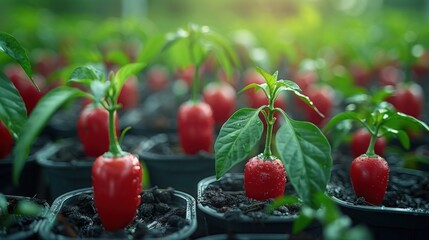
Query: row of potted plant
x=302, y=154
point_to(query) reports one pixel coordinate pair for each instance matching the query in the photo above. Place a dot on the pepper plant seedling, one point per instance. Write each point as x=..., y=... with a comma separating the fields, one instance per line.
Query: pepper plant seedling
x=369, y=173
x=116, y=174
x=303, y=151
x=195, y=120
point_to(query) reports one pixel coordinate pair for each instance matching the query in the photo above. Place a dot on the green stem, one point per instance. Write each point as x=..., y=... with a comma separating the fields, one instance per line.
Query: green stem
x=196, y=84
x=270, y=124
x=370, y=151
x=114, y=147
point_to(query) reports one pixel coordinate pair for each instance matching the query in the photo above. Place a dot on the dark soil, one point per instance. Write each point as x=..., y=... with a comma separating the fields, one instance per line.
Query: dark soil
x=157, y=216
x=404, y=190
x=14, y=223
x=73, y=152
x=227, y=196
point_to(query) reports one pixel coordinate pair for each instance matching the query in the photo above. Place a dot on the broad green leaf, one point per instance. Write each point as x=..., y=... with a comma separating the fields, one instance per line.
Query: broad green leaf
x=306, y=154
x=12, y=109
x=86, y=74
x=341, y=117
x=124, y=73
x=240, y=133
x=151, y=48
x=28, y=208
x=289, y=85
x=404, y=119
x=10, y=46
x=401, y=135
x=38, y=118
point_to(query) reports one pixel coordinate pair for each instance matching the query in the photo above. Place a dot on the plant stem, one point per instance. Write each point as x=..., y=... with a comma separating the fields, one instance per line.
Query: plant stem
x=270, y=124
x=370, y=151
x=196, y=84
x=114, y=147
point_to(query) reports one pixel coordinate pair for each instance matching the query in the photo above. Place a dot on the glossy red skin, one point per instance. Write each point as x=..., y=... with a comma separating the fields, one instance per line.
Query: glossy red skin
x=157, y=78
x=222, y=99
x=408, y=99
x=369, y=177
x=117, y=186
x=6, y=141
x=264, y=179
x=360, y=142
x=30, y=95
x=92, y=129
x=129, y=96
x=196, y=127
x=323, y=98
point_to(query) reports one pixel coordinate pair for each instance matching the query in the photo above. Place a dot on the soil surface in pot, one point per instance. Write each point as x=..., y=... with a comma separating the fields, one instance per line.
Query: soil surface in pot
x=404, y=190
x=157, y=216
x=14, y=223
x=228, y=197
x=74, y=152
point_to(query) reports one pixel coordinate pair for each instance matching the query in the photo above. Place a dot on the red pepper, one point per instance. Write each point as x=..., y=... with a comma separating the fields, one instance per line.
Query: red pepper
x=6, y=142
x=369, y=176
x=117, y=183
x=222, y=100
x=264, y=179
x=93, y=130
x=196, y=127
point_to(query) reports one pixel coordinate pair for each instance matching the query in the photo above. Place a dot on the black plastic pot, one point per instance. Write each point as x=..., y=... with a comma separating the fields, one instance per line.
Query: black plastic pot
x=62, y=176
x=389, y=222
x=27, y=228
x=70, y=198
x=30, y=180
x=218, y=222
x=168, y=167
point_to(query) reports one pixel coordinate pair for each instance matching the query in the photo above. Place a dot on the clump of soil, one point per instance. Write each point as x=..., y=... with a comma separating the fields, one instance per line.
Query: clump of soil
x=404, y=190
x=228, y=197
x=158, y=216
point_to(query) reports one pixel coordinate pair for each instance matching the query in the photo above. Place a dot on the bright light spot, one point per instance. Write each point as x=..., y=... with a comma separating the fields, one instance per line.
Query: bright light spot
x=417, y=50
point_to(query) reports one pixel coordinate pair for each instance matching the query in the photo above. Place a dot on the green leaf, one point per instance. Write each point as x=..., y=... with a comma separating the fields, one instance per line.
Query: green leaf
x=10, y=46
x=269, y=79
x=341, y=117
x=225, y=53
x=400, y=134
x=99, y=89
x=118, y=57
x=287, y=85
x=86, y=74
x=306, y=154
x=124, y=73
x=38, y=118
x=404, y=119
x=152, y=48
x=12, y=109
x=240, y=133
x=281, y=201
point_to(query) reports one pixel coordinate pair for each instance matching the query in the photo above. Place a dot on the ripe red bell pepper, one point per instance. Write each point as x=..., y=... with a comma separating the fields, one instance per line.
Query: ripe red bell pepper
x=93, y=130
x=117, y=183
x=264, y=179
x=196, y=127
x=369, y=176
x=222, y=100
